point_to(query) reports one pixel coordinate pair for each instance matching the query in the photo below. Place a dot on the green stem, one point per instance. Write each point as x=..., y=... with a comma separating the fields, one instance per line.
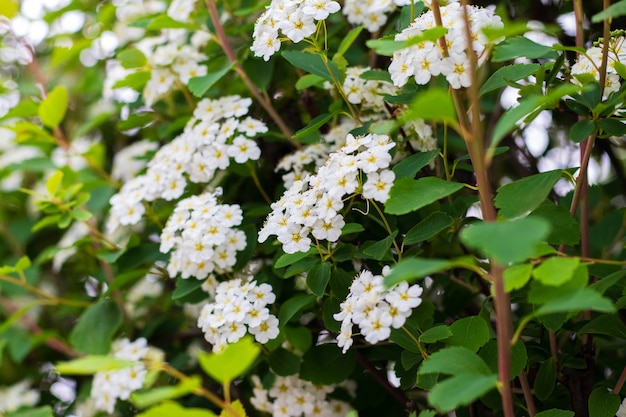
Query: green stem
x=388, y=228
x=258, y=184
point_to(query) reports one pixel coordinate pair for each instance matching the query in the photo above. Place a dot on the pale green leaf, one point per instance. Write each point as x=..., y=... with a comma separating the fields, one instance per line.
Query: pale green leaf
x=91, y=364
x=556, y=271
x=52, y=109
x=171, y=408
x=232, y=362
x=516, y=276
x=461, y=390
x=469, y=332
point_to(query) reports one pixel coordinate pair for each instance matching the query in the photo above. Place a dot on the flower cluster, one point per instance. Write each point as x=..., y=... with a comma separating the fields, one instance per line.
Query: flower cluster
x=291, y=396
x=372, y=14
x=240, y=307
x=17, y=395
x=375, y=309
x=201, y=232
x=110, y=386
x=312, y=205
x=217, y=132
x=294, y=18
x=427, y=59
x=368, y=93
x=181, y=9
x=591, y=61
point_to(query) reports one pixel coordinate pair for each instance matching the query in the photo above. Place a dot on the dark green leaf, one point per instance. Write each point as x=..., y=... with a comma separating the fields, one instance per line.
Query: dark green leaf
x=407, y=195
x=294, y=305
x=413, y=164
x=325, y=364
x=259, y=71
x=284, y=362
x=520, y=46
x=612, y=127
x=454, y=360
x=309, y=80
x=505, y=75
x=565, y=228
x=555, y=413
x=603, y=403
x=96, y=327
x=377, y=75
x=518, y=358
x=349, y=39
x=291, y=258
x=603, y=284
x=428, y=228
x=314, y=125
x=520, y=197
x=493, y=239
x=545, y=380
x=379, y=249
x=406, y=337
x=200, y=85
x=461, y=390
x=469, y=332
x=312, y=63
x=184, y=287
x=137, y=120
x=299, y=337
x=581, y=130
x=317, y=278
x=606, y=324
x=435, y=334
x=45, y=411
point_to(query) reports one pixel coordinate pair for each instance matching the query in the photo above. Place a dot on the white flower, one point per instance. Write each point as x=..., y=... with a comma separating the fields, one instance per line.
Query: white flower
x=378, y=185
x=320, y=9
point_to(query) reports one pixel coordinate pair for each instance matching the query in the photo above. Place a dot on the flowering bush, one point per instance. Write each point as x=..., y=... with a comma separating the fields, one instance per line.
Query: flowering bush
x=311, y=208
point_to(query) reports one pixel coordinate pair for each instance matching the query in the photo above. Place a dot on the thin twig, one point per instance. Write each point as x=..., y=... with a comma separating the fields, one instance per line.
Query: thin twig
x=528, y=396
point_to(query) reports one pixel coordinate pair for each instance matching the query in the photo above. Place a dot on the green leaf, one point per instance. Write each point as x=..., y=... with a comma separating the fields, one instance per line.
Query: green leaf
x=52, y=109
x=376, y=75
x=299, y=337
x=606, y=324
x=565, y=228
x=519, y=357
x=349, y=39
x=312, y=63
x=454, y=360
x=612, y=127
x=325, y=364
x=554, y=412
x=435, y=334
x=96, y=327
x=613, y=11
x=520, y=197
x=505, y=75
x=521, y=46
x=232, y=362
x=163, y=21
x=410, y=269
x=91, y=364
x=406, y=337
x=469, y=332
x=45, y=411
x=147, y=398
x=131, y=58
x=407, y=195
x=434, y=104
x=603, y=403
x=541, y=294
x=528, y=106
x=317, y=278
x=350, y=228
x=516, y=276
x=461, y=390
x=237, y=410
x=309, y=80
x=603, y=284
x=387, y=46
x=287, y=259
x=171, y=408
x=137, y=120
x=137, y=81
x=581, y=130
x=507, y=242
x=379, y=249
x=284, y=362
x=260, y=72
x=414, y=163
x=556, y=271
x=314, y=125
x=294, y=305
x=428, y=228
x=200, y=85
x=577, y=300
x=546, y=379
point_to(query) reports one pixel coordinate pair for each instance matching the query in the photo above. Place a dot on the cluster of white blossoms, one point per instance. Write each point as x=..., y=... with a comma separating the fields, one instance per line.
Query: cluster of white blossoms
x=372, y=13
x=295, y=19
x=427, y=59
x=240, y=307
x=110, y=386
x=591, y=61
x=17, y=395
x=312, y=205
x=202, y=234
x=217, y=132
x=375, y=309
x=181, y=9
x=291, y=396
x=130, y=160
